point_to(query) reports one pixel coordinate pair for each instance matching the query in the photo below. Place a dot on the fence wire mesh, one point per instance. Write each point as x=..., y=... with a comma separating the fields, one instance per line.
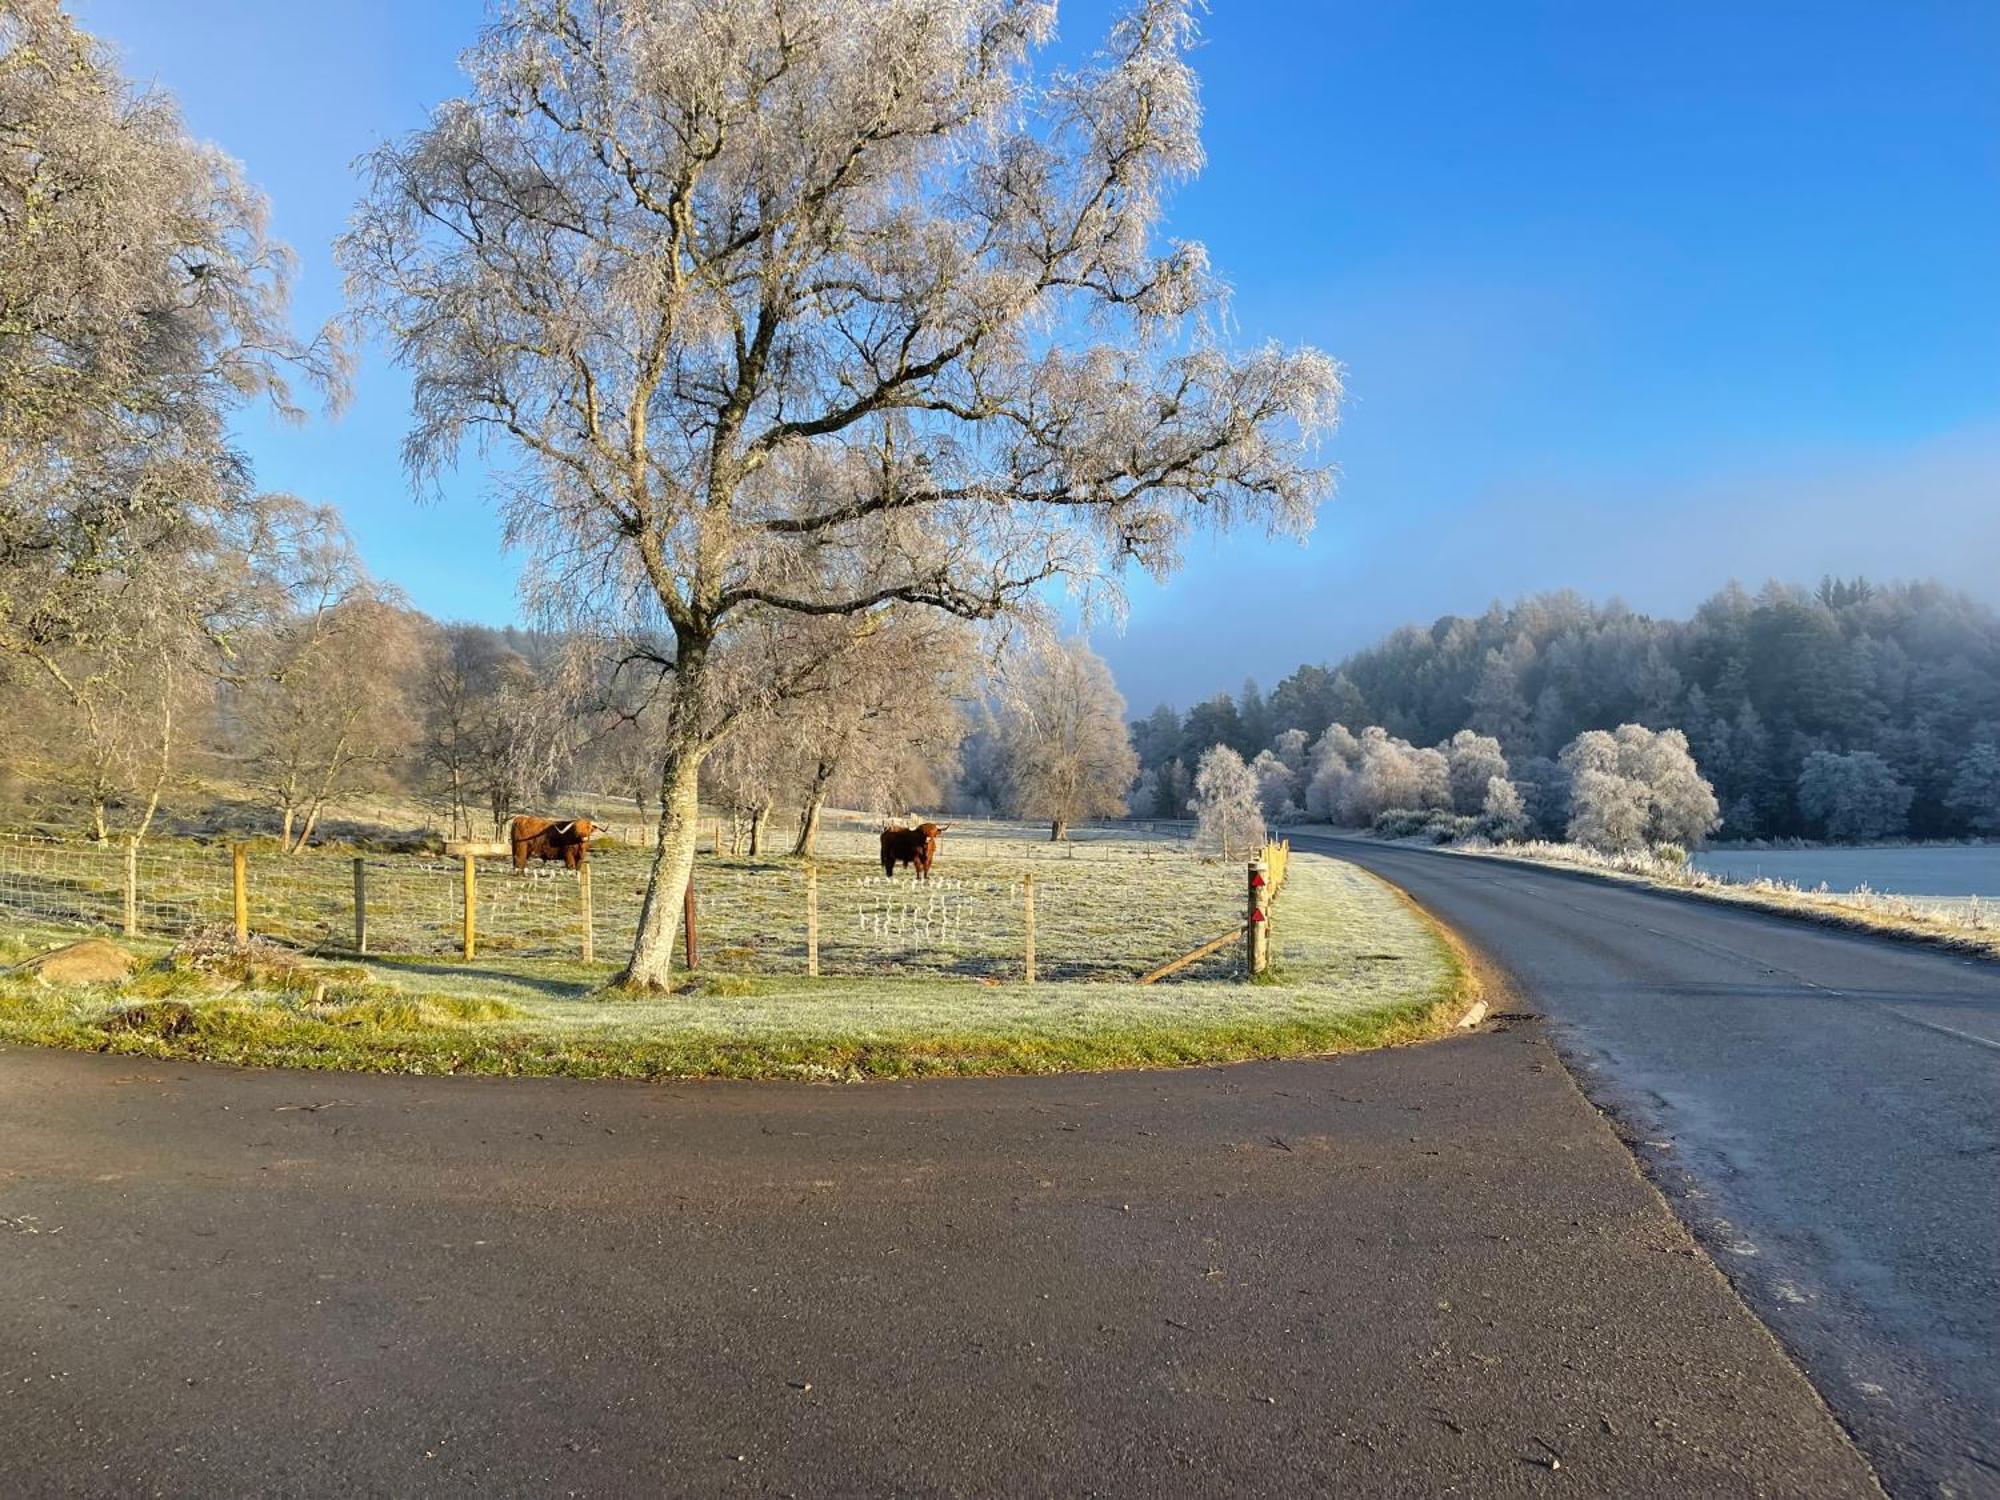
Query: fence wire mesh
x=1107, y=907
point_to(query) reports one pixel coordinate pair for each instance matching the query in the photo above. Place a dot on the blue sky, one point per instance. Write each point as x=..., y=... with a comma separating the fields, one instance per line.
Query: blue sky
x=1633, y=298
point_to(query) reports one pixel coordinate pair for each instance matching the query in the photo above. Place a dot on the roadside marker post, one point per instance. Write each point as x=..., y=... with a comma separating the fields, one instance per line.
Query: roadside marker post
x=1257, y=931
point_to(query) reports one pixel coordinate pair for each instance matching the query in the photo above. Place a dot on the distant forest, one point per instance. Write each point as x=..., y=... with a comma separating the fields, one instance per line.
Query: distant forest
x=1759, y=682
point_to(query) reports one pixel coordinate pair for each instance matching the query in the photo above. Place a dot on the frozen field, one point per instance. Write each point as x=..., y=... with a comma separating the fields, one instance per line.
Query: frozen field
x=1945, y=874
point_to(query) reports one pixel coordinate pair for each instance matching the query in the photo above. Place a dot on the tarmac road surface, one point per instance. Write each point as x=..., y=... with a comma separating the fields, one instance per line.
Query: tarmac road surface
x=1822, y=1107
x=1427, y=1271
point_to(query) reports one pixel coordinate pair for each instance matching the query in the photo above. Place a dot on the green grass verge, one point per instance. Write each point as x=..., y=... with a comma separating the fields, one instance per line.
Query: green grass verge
x=1356, y=968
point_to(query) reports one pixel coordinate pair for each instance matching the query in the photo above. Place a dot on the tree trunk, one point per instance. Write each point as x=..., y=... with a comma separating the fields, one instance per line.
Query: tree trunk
x=759, y=816
x=808, y=827
x=652, y=963
x=1058, y=830
x=823, y=774
x=285, y=835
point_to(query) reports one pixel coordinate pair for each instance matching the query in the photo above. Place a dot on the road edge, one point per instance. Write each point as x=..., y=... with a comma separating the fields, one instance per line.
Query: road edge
x=1477, y=978
x=1622, y=1117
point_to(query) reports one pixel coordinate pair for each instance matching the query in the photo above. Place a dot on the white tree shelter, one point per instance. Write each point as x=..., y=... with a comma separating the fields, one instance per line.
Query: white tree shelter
x=815, y=305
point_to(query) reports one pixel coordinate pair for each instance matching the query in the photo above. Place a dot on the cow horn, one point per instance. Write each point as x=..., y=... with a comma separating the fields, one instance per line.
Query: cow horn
x=566, y=827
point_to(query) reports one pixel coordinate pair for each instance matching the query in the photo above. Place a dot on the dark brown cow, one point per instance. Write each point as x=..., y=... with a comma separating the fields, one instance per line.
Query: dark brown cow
x=548, y=838
x=915, y=847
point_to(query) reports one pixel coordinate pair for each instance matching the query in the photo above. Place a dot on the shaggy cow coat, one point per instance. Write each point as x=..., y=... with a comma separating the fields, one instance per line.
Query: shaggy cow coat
x=550, y=839
x=915, y=847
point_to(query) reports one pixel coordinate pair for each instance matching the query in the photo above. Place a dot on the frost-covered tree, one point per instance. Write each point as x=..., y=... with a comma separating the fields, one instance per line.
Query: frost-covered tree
x=1472, y=761
x=1543, y=786
x=141, y=304
x=1357, y=778
x=1503, y=816
x=1854, y=796
x=1334, y=756
x=1635, y=786
x=1391, y=774
x=1293, y=747
x=803, y=306
x=1228, y=819
x=1062, y=723
x=1975, y=788
x=1607, y=811
x=1277, y=785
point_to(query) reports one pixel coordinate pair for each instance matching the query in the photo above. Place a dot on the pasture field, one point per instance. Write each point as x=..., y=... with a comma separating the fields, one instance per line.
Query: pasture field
x=914, y=982
x=1944, y=874
x=1110, y=903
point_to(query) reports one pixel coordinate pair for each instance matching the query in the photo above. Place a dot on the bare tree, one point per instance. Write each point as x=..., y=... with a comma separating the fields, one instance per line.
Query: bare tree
x=1062, y=723
x=472, y=692
x=891, y=705
x=805, y=306
x=324, y=700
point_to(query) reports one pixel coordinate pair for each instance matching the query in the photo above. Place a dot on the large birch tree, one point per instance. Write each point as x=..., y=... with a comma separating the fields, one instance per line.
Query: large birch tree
x=814, y=306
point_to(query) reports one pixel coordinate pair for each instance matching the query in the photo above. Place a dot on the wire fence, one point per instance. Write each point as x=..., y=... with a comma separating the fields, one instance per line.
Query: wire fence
x=1106, y=907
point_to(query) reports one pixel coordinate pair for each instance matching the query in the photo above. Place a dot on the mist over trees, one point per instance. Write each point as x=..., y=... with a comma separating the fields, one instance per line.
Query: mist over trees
x=1759, y=684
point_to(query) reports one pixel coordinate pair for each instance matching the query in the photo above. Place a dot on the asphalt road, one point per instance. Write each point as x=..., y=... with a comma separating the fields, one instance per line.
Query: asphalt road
x=1823, y=1108
x=1430, y=1271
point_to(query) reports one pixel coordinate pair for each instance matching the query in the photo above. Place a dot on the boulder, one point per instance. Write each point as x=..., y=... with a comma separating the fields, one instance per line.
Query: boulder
x=92, y=961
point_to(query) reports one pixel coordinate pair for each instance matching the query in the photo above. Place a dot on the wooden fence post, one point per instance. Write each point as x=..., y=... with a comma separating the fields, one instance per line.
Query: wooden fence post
x=690, y=946
x=812, y=921
x=1257, y=930
x=239, y=858
x=360, y=905
x=1028, y=920
x=471, y=909
x=132, y=887
x=589, y=926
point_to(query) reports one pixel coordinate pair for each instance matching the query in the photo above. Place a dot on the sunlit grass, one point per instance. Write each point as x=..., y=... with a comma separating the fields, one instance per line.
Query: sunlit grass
x=1355, y=968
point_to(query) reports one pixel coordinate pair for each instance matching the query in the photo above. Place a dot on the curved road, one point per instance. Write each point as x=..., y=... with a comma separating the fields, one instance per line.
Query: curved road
x=1823, y=1108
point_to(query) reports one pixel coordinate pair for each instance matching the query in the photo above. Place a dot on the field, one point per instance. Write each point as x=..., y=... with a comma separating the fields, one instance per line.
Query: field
x=1946, y=874
x=914, y=981
x=1967, y=923
x=1110, y=904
